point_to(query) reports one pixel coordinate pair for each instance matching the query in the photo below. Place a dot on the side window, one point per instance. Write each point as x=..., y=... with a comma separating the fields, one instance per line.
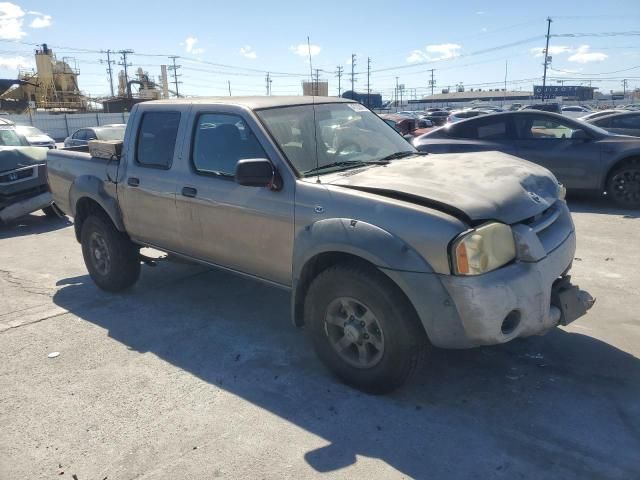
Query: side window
x=79, y=135
x=625, y=122
x=495, y=130
x=544, y=128
x=157, y=139
x=463, y=130
x=221, y=140
x=90, y=135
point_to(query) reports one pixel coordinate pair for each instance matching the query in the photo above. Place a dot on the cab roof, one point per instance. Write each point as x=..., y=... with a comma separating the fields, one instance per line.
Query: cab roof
x=253, y=102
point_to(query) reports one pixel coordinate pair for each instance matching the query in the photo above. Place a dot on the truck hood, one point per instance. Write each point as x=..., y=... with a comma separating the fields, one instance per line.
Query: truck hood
x=16, y=157
x=473, y=187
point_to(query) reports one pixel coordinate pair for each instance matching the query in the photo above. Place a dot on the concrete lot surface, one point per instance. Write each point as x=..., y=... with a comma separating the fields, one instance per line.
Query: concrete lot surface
x=197, y=374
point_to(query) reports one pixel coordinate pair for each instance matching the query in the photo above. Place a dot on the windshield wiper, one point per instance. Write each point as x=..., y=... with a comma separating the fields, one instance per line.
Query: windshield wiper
x=393, y=156
x=347, y=163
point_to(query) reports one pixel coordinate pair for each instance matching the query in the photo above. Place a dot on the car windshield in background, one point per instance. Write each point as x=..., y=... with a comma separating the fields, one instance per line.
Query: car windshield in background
x=9, y=138
x=342, y=136
x=29, y=131
x=110, y=133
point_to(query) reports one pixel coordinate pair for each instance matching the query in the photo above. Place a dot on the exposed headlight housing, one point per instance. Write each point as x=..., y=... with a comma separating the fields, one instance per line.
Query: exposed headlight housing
x=562, y=191
x=486, y=248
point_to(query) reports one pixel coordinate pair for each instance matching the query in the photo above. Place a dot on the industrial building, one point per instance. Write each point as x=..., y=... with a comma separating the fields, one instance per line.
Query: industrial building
x=52, y=86
x=371, y=100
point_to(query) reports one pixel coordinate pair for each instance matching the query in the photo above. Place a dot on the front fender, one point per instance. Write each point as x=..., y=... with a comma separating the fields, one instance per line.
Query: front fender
x=89, y=186
x=358, y=238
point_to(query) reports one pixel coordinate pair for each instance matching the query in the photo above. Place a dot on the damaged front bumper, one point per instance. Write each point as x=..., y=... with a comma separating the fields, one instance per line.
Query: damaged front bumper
x=522, y=299
x=22, y=191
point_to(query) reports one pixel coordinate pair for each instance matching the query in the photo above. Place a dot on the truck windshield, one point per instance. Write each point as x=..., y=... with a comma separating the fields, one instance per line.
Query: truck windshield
x=338, y=136
x=9, y=138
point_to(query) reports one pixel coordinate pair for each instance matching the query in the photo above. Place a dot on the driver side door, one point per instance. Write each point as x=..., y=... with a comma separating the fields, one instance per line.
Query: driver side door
x=547, y=141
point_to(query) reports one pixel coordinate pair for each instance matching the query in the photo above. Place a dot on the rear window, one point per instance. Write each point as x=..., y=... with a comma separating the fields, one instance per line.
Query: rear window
x=157, y=139
x=110, y=133
x=9, y=138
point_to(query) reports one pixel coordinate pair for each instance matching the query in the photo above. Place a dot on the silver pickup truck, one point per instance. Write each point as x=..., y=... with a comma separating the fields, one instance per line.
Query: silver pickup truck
x=386, y=251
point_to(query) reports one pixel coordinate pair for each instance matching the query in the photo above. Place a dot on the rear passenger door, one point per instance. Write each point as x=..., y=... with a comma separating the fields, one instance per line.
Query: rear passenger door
x=247, y=229
x=491, y=132
x=147, y=190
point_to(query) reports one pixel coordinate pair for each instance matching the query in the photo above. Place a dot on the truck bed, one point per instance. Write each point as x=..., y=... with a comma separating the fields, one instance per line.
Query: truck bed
x=64, y=167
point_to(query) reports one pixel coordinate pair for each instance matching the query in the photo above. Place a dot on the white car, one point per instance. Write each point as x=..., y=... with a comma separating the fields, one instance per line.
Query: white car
x=35, y=137
x=458, y=115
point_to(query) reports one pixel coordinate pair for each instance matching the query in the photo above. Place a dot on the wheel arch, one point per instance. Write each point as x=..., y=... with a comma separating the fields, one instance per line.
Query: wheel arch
x=615, y=165
x=88, y=195
x=339, y=241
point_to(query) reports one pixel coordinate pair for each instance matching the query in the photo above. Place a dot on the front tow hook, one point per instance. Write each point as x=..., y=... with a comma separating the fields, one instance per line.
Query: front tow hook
x=570, y=300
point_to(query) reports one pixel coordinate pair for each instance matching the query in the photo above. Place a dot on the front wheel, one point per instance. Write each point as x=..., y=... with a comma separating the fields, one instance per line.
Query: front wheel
x=363, y=328
x=112, y=259
x=624, y=184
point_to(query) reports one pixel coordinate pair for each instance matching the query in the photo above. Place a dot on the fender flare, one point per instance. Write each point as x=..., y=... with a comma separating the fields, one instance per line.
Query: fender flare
x=92, y=187
x=356, y=238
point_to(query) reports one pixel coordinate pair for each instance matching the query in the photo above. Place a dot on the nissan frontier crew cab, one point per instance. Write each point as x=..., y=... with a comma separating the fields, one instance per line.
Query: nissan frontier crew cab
x=386, y=251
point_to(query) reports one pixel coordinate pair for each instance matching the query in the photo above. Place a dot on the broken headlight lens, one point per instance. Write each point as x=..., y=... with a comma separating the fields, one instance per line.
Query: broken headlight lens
x=483, y=249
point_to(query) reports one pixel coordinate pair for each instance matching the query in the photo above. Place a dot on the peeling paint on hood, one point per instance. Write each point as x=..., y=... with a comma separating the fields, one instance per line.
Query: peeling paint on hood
x=482, y=185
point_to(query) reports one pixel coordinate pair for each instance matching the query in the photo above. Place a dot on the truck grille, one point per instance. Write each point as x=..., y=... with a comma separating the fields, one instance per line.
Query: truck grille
x=16, y=175
x=552, y=226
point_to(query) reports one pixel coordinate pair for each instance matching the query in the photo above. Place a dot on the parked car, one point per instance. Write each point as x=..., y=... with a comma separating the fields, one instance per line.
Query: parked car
x=544, y=107
x=458, y=115
x=35, y=137
x=623, y=123
x=582, y=156
x=599, y=113
x=23, y=181
x=385, y=251
x=82, y=136
x=407, y=127
x=439, y=117
x=576, y=109
x=632, y=106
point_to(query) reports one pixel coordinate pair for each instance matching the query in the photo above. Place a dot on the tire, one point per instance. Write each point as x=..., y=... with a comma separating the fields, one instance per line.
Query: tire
x=394, y=344
x=111, y=258
x=623, y=184
x=50, y=212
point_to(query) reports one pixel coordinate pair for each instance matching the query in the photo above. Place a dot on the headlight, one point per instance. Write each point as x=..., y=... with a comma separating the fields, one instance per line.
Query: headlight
x=562, y=193
x=483, y=249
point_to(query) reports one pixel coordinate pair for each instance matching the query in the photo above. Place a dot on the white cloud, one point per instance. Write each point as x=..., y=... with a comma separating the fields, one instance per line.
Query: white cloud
x=15, y=63
x=248, y=52
x=41, y=21
x=303, y=49
x=11, y=21
x=189, y=45
x=584, y=55
x=553, y=50
x=431, y=53
x=480, y=12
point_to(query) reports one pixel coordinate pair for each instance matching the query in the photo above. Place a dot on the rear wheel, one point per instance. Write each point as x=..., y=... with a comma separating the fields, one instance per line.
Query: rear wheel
x=111, y=258
x=623, y=185
x=363, y=328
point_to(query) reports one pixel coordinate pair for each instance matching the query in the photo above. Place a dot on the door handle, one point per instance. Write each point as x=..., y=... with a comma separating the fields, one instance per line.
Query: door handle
x=133, y=181
x=189, y=192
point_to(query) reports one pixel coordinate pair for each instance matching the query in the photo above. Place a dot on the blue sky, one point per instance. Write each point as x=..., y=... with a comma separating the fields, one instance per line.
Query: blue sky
x=465, y=41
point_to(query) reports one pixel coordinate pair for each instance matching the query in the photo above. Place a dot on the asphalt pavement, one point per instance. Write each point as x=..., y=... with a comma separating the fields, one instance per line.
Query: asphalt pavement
x=197, y=373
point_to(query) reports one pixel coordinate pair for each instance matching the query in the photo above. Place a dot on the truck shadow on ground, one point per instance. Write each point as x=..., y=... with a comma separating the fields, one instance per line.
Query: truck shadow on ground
x=560, y=406
x=32, y=225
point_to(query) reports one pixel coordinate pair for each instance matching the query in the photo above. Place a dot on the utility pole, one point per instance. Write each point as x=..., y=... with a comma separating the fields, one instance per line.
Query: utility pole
x=546, y=60
x=432, y=82
x=506, y=68
x=339, y=75
x=229, y=82
x=174, y=68
x=316, y=89
x=625, y=82
x=353, y=73
x=125, y=64
x=109, y=62
x=368, y=82
x=268, y=80
x=397, y=91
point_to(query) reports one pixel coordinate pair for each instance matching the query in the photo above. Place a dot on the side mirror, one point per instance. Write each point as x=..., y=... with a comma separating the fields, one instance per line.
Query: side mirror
x=257, y=172
x=580, y=135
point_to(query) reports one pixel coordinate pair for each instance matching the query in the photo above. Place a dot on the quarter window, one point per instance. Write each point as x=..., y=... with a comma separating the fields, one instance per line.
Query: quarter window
x=545, y=128
x=222, y=140
x=157, y=139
